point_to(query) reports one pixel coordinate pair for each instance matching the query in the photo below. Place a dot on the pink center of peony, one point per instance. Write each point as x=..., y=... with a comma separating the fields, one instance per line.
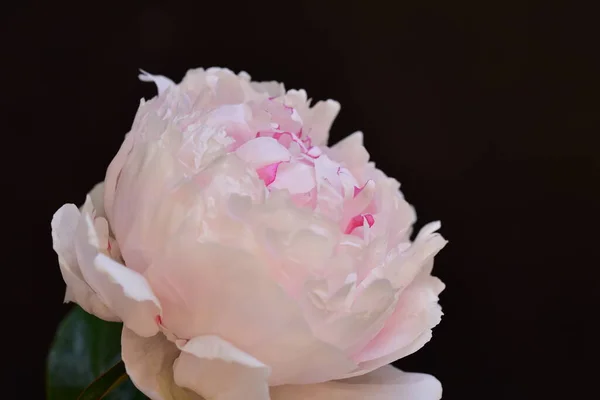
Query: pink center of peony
x=268, y=173
x=285, y=158
x=359, y=221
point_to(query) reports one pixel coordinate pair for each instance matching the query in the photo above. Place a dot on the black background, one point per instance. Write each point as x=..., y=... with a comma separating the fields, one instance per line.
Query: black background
x=487, y=113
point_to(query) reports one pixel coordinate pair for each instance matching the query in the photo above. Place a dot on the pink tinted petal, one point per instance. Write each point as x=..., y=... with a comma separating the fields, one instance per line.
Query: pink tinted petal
x=296, y=177
x=314, y=152
x=417, y=311
x=387, y=383
x=268, y=173
x=358, y=221
x=376, y=363
x=262, y=151
x=113, y=172
x=369, y=185
x=361, y=200
x=216, y=369
x=246, y=306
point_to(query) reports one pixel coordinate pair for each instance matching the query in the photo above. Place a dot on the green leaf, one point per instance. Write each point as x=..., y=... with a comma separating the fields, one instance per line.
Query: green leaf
x=105, y=383
x=85, y=347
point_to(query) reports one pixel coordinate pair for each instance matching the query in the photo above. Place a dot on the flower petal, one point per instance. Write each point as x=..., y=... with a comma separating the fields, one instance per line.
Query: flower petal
x=162, y=82
x=263, y=151
x=387, y=383
x=272, y=88
x=64, y=225
x=322, y=115
x=123, y=290
x=149, y=364
x=113, y=173
x=417, y=311
x=206, y=288
x=216, y=369
x=129, y=293
x=350, y=151
x=296, y=178
x=97, y=197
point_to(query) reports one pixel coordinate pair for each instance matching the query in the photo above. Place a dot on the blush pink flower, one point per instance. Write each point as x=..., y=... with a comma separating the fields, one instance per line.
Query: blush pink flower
x=248, y=260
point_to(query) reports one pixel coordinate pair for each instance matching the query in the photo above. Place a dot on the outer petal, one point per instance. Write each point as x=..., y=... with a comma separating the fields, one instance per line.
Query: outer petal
x=217, y=370
x=417, y=311
x=64, y=225
x=97, y=197
x=149, y=364
x=129, y=294
x=322, y=115
x=113, y=172
x=272, y=88
x=209, y=289
x=350, y=151
x=387, y=383
x=162, y=82
x=123, y=290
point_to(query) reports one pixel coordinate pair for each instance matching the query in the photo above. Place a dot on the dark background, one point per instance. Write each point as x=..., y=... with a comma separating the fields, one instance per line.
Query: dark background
x=487, y=112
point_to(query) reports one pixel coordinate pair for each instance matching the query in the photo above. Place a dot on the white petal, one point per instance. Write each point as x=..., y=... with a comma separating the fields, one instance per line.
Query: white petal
x=322, y=116
x=351, y=151
x=149, y=364
x=123, y=290
x=272, y=88
x=387, y=383
x=263, y=151
x=64, y=225
x=162, y=82
x=216, y=369
x=97, y=196
x=129, y=293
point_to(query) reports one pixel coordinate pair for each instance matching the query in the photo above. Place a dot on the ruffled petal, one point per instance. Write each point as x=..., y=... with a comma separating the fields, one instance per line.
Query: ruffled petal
x=350, y=151
x=272, y=88
x=149, y=364
x=386, y=383
x=417, y=312
x=216, y=369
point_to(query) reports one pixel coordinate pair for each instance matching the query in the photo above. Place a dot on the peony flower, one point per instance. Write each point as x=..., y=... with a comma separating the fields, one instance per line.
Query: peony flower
x=248, y=260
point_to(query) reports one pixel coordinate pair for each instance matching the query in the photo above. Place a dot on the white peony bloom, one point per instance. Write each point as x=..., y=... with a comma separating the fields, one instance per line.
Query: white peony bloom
x=248, y=260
